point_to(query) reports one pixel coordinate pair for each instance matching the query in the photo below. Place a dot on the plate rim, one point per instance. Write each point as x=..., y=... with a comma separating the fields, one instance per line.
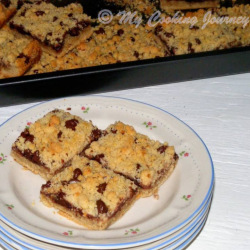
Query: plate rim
x=120, y=245
x=203, y=214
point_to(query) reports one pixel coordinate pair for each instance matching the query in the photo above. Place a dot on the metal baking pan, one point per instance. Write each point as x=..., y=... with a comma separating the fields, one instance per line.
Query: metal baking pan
x=121, y=76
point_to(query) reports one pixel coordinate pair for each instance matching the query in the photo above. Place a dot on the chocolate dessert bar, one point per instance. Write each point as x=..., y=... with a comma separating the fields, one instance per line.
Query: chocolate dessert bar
x=17, y=53
x=89, y=195
x=57, y=29
x=51, y=142
x=188, y=38
x=110, y=43
x=146, y=162
x=7, y=10
x=170, y=5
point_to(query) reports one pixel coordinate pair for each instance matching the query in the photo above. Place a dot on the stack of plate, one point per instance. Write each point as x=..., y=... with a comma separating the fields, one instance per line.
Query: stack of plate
x=171, y=222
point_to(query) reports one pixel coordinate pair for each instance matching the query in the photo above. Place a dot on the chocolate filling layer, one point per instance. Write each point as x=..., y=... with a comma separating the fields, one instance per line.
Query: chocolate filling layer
x=34, y=157
x=59, y=198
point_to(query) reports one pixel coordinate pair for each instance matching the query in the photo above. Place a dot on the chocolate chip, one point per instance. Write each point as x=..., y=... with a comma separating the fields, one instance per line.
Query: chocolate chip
x=58, y=46
x=198, y=41
x=83, y=24
x=96, y=134
x=19, y=4
x=100, y=31
x=135, y=140
x=167, y=34
x=162, y=149
x=98, y=158
x=120, y=32
x=190, y=49
x=132, y=39
x=64, y=183
x=114, y=131
x=176, y=157
x=101, y=188
x=55, y=18
x=136, y=54
x=33, y=157
x=74, y=31
x=27, y=136
x=138, y=166
x=70, y=14
x=68, y=108
x=77, y=172
x=47, y=185
x=101, y=207
x=194, y=28
x=71, y=124
x=59, y=135
x=23, y=13
x=39, y=13
x=6, y=3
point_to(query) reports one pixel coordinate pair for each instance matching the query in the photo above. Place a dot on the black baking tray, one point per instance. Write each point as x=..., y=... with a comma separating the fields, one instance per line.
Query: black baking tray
x=122, y=76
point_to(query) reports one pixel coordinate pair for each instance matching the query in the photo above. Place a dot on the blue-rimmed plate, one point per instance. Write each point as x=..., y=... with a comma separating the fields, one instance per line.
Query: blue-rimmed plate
x=181, y=197
x=14, y=238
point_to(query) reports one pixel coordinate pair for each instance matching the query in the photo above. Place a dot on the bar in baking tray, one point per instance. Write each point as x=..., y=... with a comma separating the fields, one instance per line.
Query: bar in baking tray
x=109, y=43
x=57, y=29
x=7, y=10
x=200, y=36
x=52, y=141
x=89, y=195
x=17, y=53
x=146, y=162
x=170, y=5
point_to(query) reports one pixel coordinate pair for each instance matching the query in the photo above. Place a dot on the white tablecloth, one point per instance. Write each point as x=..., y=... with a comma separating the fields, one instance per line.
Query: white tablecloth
x=218, y=110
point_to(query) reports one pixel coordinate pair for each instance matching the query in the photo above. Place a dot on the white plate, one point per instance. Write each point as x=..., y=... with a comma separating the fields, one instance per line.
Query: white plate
x=181, y=197
x=22, y=242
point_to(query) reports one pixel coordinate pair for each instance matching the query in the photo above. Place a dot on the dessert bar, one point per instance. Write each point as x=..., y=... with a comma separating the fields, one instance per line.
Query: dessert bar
x=170, y=5
x=17, y=53
x=146, y=162
x=89, y=195
x=52, y=141
x=7, y=10
x=58, y=30
x=188, y=38
x=110, y=43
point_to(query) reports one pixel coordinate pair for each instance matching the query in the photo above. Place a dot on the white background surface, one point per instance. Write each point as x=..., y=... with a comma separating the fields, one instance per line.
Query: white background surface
x=218, y=110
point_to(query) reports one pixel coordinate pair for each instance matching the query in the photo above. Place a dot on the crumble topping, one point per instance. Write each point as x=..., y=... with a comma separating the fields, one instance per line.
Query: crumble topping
x=90, y=189
x=131, y=154
x=54, y=139
x=50, y=24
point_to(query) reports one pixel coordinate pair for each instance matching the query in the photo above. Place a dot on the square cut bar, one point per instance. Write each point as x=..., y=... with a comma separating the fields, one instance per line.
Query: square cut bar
x=58, y=30
x=7, y=10
x=146, y=162
x=170, y=5
x=187, y=38
x=17, y=53
x=89, y=194
x=52, y=141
